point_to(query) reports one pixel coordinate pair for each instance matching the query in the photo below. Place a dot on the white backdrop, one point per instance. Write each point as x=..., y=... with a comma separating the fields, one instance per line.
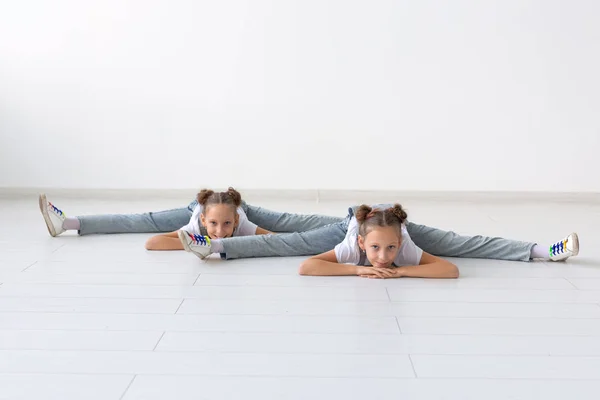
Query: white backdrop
x=330, y=94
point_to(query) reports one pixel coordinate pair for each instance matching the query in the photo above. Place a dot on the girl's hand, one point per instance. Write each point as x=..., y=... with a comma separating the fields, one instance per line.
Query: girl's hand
x=377, y=273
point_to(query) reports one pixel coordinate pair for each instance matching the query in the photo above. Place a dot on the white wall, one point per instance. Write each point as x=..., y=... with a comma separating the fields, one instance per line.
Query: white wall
x=330, y=94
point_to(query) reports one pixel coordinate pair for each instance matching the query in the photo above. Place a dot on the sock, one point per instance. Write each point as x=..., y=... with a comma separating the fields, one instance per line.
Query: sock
x=71, y=224
x=216, y=246
x=538, y=251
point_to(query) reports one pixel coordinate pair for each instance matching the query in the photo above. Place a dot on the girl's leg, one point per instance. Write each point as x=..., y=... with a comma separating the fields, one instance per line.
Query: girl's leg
x=450, y=244
x=286, y=222
x=311, y=242
x=162, y=221
x=150, y=222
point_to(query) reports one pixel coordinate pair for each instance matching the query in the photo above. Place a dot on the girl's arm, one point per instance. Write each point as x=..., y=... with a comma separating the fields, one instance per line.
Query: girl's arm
x=429, y=267
x=166, y=241
x=326, y=264
x=261, y=231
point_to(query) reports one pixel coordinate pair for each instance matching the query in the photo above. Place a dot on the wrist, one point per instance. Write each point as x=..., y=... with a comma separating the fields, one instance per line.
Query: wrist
x=399, y=272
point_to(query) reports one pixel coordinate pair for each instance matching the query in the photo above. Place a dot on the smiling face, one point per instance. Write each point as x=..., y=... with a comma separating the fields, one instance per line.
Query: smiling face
x=220, y=220
x=381, y=245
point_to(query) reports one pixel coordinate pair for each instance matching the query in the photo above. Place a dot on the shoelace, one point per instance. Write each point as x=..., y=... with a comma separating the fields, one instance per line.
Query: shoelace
x=559, y=247
x=199, y=239
x=56, y=210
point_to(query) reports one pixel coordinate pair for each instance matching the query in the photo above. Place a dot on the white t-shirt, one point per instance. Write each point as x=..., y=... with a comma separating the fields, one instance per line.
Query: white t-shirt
x=244, y=228
x=348, y=252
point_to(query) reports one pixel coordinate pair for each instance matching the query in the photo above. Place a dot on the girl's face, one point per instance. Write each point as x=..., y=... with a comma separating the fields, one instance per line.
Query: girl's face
x=381, y=245
x=220, y=220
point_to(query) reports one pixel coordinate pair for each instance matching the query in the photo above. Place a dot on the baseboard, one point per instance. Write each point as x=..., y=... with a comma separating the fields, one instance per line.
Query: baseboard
x=355, y=196
x=135, y=194
x=316, y=195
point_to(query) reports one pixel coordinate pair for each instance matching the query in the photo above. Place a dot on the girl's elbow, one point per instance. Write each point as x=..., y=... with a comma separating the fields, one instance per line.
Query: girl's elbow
x=453, y=271
x=305, y=268
x=150, y=243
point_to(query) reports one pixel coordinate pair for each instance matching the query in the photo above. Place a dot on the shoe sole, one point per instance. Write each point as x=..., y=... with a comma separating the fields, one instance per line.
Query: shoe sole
x=44, y=209
x=183, y=239
x=575, y=244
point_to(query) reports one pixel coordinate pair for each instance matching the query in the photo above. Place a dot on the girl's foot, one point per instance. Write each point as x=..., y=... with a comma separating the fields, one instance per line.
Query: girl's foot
x=53, y=216
x=568, y=247
x=197, y=244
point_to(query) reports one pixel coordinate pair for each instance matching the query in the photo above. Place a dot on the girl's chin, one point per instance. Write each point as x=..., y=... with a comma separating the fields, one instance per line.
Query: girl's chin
x=382, y=266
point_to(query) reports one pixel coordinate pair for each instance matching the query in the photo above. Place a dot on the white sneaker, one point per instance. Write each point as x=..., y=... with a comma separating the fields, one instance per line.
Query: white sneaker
x=197, y=244
x=52, y=216
x=568, y=247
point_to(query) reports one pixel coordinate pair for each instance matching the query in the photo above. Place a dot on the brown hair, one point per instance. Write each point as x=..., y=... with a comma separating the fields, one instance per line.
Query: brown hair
x=368, y=218
x=208, y=197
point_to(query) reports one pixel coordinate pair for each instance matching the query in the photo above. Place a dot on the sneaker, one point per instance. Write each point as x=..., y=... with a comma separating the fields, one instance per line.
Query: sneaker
x=197, y=244
x=52, y=216
x=568, y=247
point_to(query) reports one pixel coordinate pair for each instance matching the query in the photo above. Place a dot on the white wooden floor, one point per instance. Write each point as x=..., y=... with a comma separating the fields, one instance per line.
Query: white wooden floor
x=99, y=317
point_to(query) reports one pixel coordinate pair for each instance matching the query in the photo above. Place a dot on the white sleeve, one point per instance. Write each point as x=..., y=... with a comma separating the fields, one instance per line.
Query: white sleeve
x=245, y=227
x=194, y=225
x=347, y=252
x=409, y=253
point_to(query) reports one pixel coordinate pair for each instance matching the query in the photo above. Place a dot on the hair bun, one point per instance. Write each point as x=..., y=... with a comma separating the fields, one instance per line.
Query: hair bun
x=203, y=196
x=399, y=212
x=235, y=196
x=362, y=213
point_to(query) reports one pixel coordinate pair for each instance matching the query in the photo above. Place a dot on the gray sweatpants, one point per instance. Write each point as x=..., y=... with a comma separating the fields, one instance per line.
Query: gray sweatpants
x=305, y=234
x=172, y=220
